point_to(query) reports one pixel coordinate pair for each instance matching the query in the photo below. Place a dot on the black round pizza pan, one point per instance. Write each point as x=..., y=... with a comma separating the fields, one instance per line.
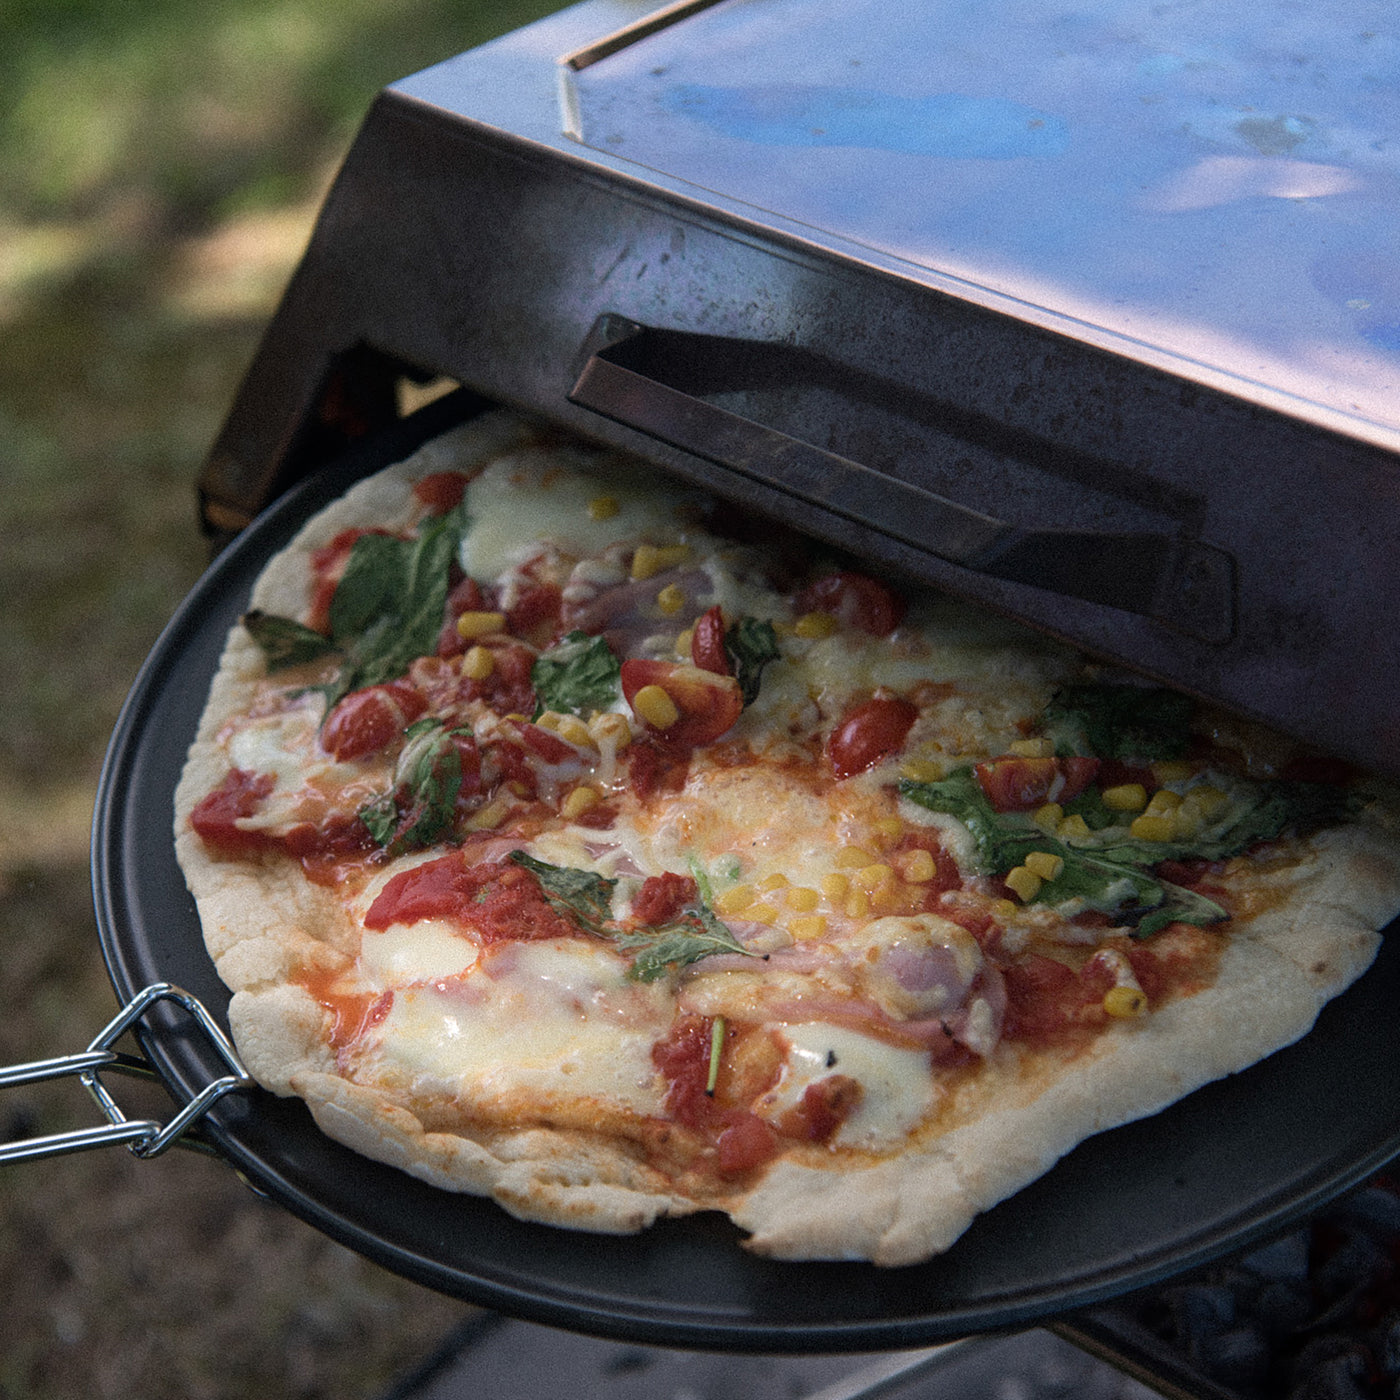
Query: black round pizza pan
x=1228, y=1166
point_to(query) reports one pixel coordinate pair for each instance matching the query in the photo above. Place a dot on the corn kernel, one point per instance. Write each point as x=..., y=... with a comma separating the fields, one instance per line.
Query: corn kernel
x=889, y=829
x=802, y=899
x=1125, y=1003
x=1024, y=882
x=809, y=926
x=813, y=626
x=836, y=887
x=1125, y=797
x=683, y=643
x=580, y=800
x=735, y=899
x=671, y=599
x=1004, y=908
x=923, y=770
x=853, y=857
x=609, y=727
x=574, y=731
x=471, y=625
x=1162, y=803
x=1046, y=864
x=872, y=877
x=776, y=881
x=603, y=508
x=1049, y=816
x=1200, y=806
x=1172, y=770
x=1145, y=828
x=857, y=904
x=761, y=914
x=477, y=663
x=1073, y=828
x=888, y=897
x=652, y=704
x=1032, y=748
x=918, y=866
x=487, y=817
x=1210, y=801
x=652, y=559
x=549, y=719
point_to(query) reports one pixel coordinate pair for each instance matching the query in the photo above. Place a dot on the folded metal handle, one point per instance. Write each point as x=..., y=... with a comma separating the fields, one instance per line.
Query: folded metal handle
x=1183, y=583
x=144, y=1137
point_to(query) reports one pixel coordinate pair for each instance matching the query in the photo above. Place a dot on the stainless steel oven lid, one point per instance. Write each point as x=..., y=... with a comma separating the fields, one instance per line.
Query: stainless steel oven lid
x=1227, y=1166
x=1207, y=187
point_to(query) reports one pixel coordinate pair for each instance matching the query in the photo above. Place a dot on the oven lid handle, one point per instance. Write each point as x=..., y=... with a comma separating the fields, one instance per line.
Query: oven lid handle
x=1183, y=583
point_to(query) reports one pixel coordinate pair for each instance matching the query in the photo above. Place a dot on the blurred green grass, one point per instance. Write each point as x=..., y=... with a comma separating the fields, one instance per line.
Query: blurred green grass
x=161, y=163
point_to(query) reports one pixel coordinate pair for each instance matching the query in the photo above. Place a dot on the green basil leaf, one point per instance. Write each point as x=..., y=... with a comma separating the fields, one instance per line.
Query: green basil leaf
x=580, y=895
x=1117, y=880
x=586, y=898
x=960, y=795
x=1179, y=906
x=1120, y=721
x=1098, y=816
x=388, y=607
x=750, y=646
x=578, y=675
x=422, y=803
x=381, y=818
x=386, y=612
x=696, y=934
x=285, y=642
x=1117, y=887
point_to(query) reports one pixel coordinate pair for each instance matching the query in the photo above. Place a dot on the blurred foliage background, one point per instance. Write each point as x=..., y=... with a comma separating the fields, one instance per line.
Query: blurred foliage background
x=161, y=162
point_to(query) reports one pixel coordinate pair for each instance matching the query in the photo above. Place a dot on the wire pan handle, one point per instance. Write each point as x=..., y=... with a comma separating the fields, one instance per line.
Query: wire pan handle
x=144, y=1137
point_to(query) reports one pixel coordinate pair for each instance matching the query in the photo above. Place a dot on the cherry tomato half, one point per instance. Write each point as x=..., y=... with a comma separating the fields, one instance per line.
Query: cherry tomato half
x=708, y=704
x=368, y=720
x=1023, y=784
x=857, y=599
x=868, y=733
x=707, y=643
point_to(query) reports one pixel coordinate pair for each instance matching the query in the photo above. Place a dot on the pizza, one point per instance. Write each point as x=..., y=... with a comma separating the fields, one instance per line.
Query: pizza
x=568, y=838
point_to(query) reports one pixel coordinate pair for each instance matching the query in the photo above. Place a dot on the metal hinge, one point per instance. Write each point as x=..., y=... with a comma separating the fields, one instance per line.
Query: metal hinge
x=144, y=1137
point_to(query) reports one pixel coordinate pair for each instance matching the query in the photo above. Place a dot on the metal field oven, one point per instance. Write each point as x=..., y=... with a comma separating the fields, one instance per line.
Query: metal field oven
x=1087, y=310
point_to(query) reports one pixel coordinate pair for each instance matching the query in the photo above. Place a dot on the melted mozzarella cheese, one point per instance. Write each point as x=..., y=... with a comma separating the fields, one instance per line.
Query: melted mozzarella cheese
x=897, y=1088
x=548, y=1017
x=402, y=954
x=532, y=496
x=282, y=744
x=745, y=822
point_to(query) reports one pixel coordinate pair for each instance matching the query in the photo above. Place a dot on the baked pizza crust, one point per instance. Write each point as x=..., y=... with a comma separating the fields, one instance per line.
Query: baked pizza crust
x=1024, y=1112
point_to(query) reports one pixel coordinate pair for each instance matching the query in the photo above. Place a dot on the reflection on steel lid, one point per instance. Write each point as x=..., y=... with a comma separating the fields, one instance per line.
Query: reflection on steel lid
x=1213, y=185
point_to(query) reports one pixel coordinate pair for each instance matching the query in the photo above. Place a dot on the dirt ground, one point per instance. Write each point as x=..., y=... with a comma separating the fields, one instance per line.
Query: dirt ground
x=160, y=168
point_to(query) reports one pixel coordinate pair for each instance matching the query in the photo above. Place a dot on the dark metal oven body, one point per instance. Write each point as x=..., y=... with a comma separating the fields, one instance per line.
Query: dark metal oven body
x=1174, y=514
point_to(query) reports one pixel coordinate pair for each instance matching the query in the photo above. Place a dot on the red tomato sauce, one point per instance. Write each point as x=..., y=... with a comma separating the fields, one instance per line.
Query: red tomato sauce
x=215, y=816
x=662, y=897
x=499, y=901
x=352, y=1013
x=440, y=491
